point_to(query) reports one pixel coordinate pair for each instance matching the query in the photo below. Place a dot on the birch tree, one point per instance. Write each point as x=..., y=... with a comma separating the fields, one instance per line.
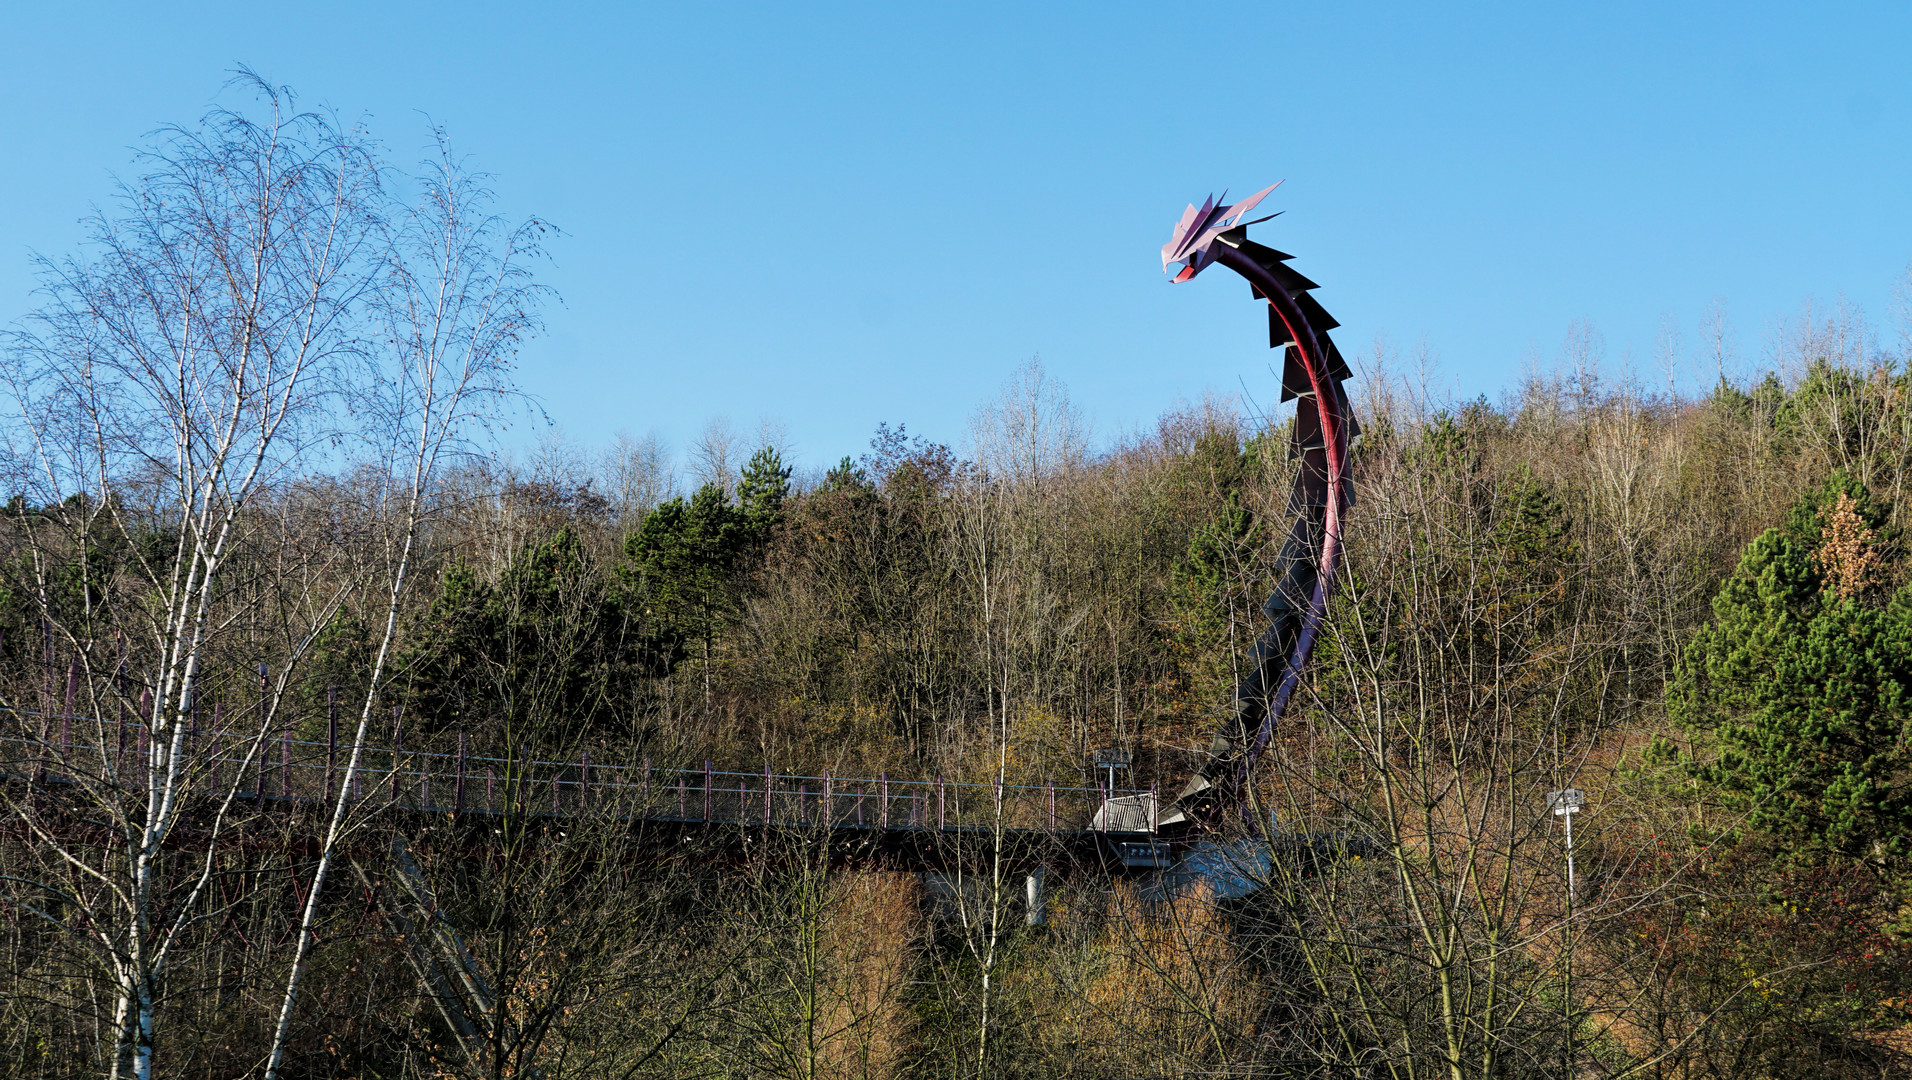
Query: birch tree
x=455, y=302
x=173, y=382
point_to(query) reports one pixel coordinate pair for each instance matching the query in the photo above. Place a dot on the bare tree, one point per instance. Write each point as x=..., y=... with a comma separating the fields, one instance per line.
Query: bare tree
x=713, y=457
x=638, y=474
x=455, y=303
x=168, y=391
x=1032, y=430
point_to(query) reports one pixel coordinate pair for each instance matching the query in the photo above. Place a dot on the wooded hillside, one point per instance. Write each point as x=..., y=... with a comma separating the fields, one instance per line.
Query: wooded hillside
x=1694, y=609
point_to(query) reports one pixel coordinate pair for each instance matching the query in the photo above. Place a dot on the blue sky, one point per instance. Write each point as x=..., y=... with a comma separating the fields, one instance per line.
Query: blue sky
x=838, y=214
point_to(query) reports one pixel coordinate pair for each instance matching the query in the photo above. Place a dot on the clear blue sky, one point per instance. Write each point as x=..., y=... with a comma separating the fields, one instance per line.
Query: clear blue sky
x=836, y=214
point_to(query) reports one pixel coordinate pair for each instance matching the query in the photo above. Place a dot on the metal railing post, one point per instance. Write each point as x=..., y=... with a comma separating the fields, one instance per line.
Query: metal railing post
x=218, y=738
x=66, y=721
x=706, y=817
x=827, y=814
x=1052, y=805
x=458, y=792
x=883, y=800
x=145, y=750
x=192, y=726
x=398, y=749
x=285, y=759
x=265, y=737
x=331, y=737
x=351, y=766
x=941, y=820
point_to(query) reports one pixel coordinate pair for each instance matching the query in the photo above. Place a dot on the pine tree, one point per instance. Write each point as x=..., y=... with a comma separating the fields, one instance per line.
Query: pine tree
x=761, y=490
x=1803, y=682
x=680, y=569
x=547, y=624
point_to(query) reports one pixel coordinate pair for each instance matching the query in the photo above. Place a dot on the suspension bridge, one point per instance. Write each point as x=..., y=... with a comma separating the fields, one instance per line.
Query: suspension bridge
x=904, y=822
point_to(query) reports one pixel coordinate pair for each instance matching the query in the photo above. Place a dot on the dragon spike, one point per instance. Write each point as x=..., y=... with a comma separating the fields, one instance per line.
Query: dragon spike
x=1190, y=245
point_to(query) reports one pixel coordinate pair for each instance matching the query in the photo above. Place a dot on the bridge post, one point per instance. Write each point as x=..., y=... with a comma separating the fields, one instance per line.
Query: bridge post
x=119, y=701
x=398, y=749
x=1052, y=805
x=331, y=736
x=557, y=780
x=584, y=780
x=192, y=727
x=828, y=811
x=145, y=749
x=1152, y=808
x=706, y=816
x=940, y=818
x=803, y=804
x=883, y=800
x=769, y=785
x=265, y=739
x=218, y=738
x=458, y=790
x=66, y=722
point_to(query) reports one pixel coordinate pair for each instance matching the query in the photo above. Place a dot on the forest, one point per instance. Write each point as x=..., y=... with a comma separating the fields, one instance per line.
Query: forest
x=254, y=495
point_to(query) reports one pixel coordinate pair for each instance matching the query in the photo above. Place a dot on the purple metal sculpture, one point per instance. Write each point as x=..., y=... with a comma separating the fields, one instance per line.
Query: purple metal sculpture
x=1324, y=429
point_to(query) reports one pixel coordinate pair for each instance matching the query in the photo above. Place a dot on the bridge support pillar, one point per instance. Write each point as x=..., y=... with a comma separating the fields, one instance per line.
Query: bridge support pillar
x=1035, y=906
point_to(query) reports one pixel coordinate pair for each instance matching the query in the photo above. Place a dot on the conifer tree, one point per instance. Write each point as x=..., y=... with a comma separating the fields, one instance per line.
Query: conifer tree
x=1803, y=680
x=761, y=490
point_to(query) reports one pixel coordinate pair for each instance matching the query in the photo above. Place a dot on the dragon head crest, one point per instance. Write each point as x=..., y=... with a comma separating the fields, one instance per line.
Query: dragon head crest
x=1192, y=246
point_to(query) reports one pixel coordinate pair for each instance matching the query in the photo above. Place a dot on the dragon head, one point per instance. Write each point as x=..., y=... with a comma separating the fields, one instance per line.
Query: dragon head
x=1192, y=246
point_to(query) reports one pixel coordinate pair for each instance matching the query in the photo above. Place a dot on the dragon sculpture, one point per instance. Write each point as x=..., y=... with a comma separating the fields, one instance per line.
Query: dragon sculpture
x=1324, y=430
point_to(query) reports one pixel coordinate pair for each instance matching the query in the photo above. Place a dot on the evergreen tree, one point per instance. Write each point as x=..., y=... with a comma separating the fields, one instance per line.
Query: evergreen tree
x=680, y=569
x=847, y=475
x=761, y=490
x=549, y=629
x=1804, y=682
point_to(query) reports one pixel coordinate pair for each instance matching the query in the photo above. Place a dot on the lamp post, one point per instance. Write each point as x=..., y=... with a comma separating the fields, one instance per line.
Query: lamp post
x=1112, y=759
x=1566, y=803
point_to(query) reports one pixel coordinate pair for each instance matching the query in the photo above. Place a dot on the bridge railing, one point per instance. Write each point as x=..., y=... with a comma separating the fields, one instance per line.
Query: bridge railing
x=439, y=779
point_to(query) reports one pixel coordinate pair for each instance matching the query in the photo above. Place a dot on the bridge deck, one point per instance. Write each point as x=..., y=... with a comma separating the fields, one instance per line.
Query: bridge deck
x=278, y=770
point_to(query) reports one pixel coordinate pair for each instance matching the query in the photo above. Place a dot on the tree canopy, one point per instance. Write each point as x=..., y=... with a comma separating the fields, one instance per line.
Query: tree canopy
x=1803, y=679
